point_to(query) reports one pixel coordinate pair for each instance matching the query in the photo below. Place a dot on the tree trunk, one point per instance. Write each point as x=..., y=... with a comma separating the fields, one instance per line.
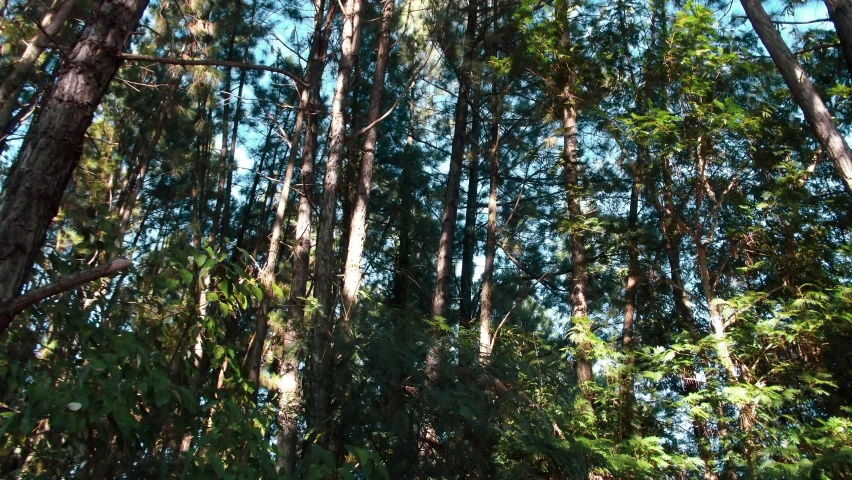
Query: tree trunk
x=469, y=239
x=485, y=340
x=134, y=187
x=358, y=228
x=267, y=275
x=289, y=391
x=628, y=398
x=406, y=202
x=33, y=190
x=12, y=86
x=324, y=281
x=840, y=12
x=803, y=91
x=444, y=270
x=669, y=226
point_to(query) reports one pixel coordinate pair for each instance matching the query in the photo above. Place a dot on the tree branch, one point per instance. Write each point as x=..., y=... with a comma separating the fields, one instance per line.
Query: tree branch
x=12, y=307
x=216, y=63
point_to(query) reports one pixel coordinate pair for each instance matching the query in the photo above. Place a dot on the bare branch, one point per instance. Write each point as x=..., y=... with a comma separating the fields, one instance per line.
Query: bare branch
x=16, y=305
x=217, y=63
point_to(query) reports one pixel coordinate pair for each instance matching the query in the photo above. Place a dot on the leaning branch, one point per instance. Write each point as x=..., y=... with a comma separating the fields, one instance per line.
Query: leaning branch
x=12, y=307
x=216, y=63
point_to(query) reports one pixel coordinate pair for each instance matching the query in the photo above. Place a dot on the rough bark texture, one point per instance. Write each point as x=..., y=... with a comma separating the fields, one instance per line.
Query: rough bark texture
x=444, y=270
x=358, y=228
x=485, y=340
x=289, y=387
x=323, y=327
x=469, y=240
x=670, y=227
x=627, y=340
x=579, y=270
x=267, y=275
x=840, y=12
x=14, y=83
x=803, y=91
x=33, y=190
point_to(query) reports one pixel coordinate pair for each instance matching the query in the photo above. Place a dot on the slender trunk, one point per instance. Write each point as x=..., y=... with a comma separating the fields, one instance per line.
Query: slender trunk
x=803, y=91
x=669, y=226
x=444, y=268
x=628, y=398
x=267, y=275
x=323, y=325
x=579, y=275
x=358, y=228
x=251, y=198
x=14, y=83
x=571, y=177
x=485, y=340
x=406, y=201
x=469, y=239
x=33, y=190
x=223, y=150
x=128, y=202
x=840, y=12
x=230, y=164
x=290, y=392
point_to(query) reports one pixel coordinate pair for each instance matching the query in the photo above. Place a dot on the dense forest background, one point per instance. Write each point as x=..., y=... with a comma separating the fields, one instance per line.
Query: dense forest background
x=425, y=239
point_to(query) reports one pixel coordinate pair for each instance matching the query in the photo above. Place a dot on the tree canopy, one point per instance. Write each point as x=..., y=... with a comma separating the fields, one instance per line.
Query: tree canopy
x=427, y=239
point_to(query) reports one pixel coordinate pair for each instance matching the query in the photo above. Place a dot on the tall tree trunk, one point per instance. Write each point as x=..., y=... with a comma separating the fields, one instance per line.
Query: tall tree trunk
x=323, y=327
x=358, y=228
x=134, y=187
x=444, y=270
x=267, y=275
x=33, y=190
x=217, y=228
x=803, y=91
x=485, y=339
x=571, y=177
x=230, y=164
x=14, y=83
x=667, y=213
x=406, y=201
x=290, y=392
x=840, y=12
x=469, y=239
x=579, y=275
x=628, y=398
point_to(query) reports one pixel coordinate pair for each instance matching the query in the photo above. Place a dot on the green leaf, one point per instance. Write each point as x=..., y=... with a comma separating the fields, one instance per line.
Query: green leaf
x=217, y=465
x=186, y=276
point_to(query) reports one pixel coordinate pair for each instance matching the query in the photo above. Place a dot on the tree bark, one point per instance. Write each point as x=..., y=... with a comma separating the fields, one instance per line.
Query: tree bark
x=444, y=268
x=667, y=213
x=469, y=239
x=628, y=398
x=803, y=91
x=840, y=12
x=485, y=339
x=325, y=269
x=290, y=392
x=12, y=86
x=358, y=228
x=267, y=275
x=33, y=190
